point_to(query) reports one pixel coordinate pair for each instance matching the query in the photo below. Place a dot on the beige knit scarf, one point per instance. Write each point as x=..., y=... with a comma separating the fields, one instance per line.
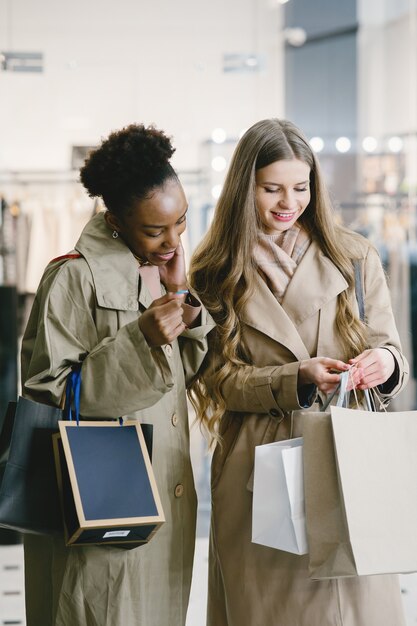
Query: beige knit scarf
x=278, y=255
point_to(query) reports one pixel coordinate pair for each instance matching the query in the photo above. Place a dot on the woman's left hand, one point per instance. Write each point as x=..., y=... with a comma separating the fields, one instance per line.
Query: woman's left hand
x=172, y=274
x=377, y=365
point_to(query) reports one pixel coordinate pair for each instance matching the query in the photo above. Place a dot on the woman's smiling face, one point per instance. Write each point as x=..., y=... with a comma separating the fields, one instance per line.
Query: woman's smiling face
x=282, y=194
x=153, y=227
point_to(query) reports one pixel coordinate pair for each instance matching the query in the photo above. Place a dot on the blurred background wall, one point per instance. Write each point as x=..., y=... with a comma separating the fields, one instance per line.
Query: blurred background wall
x=345, y=71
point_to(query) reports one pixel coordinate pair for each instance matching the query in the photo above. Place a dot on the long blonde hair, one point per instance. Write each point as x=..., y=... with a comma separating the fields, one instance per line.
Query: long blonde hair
x=223, y=272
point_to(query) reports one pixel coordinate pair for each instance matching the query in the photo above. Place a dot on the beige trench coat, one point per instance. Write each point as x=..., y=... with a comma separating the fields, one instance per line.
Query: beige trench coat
x=249, y=584
x=87, y=309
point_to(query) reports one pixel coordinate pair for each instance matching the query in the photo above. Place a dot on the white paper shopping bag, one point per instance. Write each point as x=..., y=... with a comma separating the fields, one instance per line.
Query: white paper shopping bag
x=377, y=470
x=278, y=518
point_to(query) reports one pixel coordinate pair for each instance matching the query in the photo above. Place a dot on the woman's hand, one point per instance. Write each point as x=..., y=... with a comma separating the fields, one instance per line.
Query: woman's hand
x=172, y=274
x=162, y=322
x=376, y=364
x=320, y=371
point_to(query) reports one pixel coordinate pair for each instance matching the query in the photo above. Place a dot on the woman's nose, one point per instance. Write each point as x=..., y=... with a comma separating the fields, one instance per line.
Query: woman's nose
x=287, y=200
x=172, y=239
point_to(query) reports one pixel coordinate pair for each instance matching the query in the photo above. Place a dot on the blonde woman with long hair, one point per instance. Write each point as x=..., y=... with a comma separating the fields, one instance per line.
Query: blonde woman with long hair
x=278, y=275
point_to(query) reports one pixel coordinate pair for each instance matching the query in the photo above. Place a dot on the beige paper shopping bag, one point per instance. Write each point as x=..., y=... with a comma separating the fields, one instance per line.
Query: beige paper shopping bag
x=327, y=532
x=361, y=492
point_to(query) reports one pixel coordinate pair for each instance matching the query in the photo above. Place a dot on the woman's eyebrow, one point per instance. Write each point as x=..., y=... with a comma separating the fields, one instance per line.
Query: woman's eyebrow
x=265, y=182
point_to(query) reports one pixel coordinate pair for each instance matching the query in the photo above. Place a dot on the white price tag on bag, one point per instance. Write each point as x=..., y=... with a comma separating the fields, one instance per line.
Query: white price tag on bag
x=278, y=518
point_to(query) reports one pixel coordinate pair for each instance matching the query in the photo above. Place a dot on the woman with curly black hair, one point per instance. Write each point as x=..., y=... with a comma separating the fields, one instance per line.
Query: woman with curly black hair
x=116, y=305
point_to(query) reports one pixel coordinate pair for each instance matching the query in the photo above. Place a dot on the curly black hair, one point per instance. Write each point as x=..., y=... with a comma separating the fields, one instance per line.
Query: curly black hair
x=127, y=166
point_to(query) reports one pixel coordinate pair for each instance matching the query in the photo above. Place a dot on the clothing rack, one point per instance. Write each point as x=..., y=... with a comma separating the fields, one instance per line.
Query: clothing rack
x=33, y=177
x=187, y=176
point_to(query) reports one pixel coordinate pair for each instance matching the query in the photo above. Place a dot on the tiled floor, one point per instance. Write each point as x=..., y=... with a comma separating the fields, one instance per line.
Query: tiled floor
x=196, y=615
x=12, y=609
x=409, y=589
x=12, y=594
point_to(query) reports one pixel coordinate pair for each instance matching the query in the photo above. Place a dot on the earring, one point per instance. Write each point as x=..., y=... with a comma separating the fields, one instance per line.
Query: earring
x=115, y=234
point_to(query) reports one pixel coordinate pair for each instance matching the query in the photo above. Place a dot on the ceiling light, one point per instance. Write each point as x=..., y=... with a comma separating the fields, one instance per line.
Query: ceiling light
x=243, y=62
x=218, y=135
x=369, y=144
x=216, y=191
x=218, y=164
x=295, y=36
x=21, y=61
x=395, y=144
x=317, y=144
x=343, y=144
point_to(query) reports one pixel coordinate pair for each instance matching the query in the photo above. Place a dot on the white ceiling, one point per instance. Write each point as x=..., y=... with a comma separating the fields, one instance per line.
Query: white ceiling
x=107, y=64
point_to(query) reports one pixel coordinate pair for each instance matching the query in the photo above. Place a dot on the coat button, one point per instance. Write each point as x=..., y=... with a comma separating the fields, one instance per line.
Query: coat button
x=274, y=412
x=168, y=349
x=174, y=419
x=179, y=490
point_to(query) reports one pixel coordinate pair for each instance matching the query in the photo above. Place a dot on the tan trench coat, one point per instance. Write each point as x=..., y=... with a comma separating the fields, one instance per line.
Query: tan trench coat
x=249, y=584
x=87, y=309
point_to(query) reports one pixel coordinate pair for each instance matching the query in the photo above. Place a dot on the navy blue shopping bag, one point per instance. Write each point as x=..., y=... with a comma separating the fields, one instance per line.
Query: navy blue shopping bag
x=105, y=478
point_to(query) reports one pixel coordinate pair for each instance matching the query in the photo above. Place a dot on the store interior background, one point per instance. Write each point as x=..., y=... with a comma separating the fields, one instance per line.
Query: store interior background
x=345, y=71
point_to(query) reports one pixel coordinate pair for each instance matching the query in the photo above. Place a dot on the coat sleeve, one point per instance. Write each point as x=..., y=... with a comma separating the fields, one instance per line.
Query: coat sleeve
x=382, y=330
x=120, y=373
x=274, y=389
x=193, y=344
x=250, y=389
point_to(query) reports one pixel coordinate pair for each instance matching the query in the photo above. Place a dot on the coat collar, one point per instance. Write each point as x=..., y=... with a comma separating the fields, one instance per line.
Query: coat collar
x=315, y=282
x=114, y=268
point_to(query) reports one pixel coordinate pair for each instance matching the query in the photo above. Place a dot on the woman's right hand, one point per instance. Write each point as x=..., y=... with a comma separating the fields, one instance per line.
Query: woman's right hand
x=162, y=322
x=320, y=371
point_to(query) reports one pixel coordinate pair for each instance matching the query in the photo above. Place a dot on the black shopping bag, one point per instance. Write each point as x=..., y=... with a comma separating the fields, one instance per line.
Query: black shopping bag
x=29, y=500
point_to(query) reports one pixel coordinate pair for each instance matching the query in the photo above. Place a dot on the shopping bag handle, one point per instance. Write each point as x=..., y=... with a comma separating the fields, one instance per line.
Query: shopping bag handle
x=343, y=398
x=343, y=394
x=73, y=394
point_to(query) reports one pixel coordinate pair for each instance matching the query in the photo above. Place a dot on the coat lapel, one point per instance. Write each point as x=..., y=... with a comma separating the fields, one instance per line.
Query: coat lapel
x=264, y=313
x=315, y=282
x=114, y=268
